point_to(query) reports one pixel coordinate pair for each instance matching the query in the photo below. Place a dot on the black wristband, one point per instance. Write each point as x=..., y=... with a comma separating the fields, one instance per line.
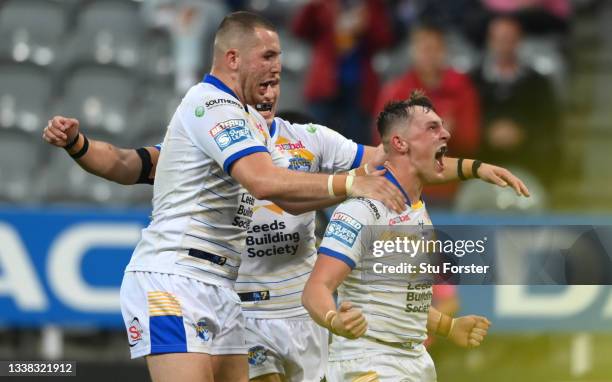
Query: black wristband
x=83, y=149
x=147, y=164
x=72, y=143
x=460, y=169
x=475, y=167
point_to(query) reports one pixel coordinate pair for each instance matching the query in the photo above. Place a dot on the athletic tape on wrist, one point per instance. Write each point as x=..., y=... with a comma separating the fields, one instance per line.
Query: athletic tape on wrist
x=349, y=184
x=330, y=186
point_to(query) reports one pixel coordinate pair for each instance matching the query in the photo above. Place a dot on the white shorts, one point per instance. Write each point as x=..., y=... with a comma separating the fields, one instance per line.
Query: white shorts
x=166, y=313
x=294, y=347
x=383, y=367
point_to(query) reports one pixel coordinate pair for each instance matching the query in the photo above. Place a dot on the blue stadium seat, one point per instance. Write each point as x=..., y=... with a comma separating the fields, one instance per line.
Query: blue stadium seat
x=32, y=30
x=24, y=96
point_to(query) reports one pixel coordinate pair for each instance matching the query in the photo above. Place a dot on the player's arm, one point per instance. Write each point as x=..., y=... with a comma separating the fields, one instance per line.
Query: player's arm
x=466, y=331
x=124, y=166
x=264, y=180
x=487, y=172
x=327, y=275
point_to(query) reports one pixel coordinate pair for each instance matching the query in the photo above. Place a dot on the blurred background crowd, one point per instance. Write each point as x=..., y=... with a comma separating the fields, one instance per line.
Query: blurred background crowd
x=519, y=83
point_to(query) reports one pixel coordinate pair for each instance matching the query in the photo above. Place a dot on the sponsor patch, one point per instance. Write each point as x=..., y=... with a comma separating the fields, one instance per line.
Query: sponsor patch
x=311, y=128
x=199, y=111
x=399, y=219
x=230, y=132
x=299, y=164
x=290, y=146
x=371, y=206
x=134, y=332
x=202, y=331
x=257, y=355
x=221, y=102
x=344, y=228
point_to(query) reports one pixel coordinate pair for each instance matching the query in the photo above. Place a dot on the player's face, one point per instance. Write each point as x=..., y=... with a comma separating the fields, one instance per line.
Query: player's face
x=260, y=69
x=427, y=143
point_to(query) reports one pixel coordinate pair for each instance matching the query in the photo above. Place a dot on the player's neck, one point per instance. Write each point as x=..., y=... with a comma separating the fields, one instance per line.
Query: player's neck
x=230, y=81
x=405, y=174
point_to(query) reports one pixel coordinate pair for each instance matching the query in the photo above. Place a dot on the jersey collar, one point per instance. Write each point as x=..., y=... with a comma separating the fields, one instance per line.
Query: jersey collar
x=389, y=175
x=214, y=81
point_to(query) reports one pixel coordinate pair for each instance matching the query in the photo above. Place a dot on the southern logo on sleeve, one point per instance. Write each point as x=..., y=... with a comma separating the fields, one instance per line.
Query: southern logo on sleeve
x=229, y=132
x=343, y=228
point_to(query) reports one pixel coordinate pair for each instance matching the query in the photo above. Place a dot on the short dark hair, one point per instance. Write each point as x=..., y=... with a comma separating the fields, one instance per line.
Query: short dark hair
x=243, y=22
x=400, y=110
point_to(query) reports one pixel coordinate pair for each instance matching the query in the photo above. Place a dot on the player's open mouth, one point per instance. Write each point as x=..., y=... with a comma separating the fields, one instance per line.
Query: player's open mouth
x=439, y=157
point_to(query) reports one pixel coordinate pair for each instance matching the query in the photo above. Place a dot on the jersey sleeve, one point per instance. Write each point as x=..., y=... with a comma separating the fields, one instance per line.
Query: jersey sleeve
x=225, y=132
x=337, y=153
x=347, y=233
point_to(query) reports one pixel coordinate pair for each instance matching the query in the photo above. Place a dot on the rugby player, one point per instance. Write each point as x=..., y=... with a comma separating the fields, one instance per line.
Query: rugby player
x=177, y=295
x=271, y=318
x=269, y=296
x=378, y=331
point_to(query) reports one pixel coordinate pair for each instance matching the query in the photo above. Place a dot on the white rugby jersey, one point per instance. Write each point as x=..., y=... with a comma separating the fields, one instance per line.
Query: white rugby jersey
x=200, y=214
x=396, y=311
x=280, y=248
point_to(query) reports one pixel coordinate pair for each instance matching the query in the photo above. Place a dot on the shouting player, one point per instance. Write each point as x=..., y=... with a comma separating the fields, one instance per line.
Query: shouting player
x=275, y=264
x=377, y=336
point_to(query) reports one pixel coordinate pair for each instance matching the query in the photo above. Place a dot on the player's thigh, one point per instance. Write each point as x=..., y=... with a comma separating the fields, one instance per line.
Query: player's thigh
x=274, y=377
x=230, y=368
x=184, y=367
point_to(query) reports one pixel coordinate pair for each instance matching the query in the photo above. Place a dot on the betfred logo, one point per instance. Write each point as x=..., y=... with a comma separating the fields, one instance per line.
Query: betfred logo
x=342, y=217
x=134, y=332
x=219, y=127
x=290, y=146
x=230, y=132
x=399, y=219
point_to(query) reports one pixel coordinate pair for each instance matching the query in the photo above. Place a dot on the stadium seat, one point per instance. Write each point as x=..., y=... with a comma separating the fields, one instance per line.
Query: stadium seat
x=158, y=107
x=19, y=161
x=158, y=59
x=24, y=94
x=32, y=30
x=101, y=97
x=107, y=32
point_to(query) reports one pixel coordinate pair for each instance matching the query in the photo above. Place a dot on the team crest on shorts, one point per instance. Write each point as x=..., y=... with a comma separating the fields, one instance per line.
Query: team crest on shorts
x=202, y=331
x=257, y=355
x=134, y=332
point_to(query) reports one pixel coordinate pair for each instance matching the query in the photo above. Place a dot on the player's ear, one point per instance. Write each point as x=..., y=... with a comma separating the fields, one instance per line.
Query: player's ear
x=399, y=145
x=232, y=59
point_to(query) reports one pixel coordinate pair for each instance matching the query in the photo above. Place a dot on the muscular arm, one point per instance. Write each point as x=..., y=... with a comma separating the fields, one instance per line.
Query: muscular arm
x=327, y=275
x=102, y=159
x=263, y=180
x=110, y=162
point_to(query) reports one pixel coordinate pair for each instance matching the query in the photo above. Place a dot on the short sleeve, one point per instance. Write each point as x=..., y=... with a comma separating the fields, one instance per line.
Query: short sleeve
x=224, y=131
x=337, y=152
x=347, y=232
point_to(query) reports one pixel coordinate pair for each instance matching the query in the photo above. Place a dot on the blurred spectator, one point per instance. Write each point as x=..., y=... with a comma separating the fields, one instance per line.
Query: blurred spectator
x=452, y=93
x=341, y=85
x=192, y=25
x=536, y=16
x=520, y=112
